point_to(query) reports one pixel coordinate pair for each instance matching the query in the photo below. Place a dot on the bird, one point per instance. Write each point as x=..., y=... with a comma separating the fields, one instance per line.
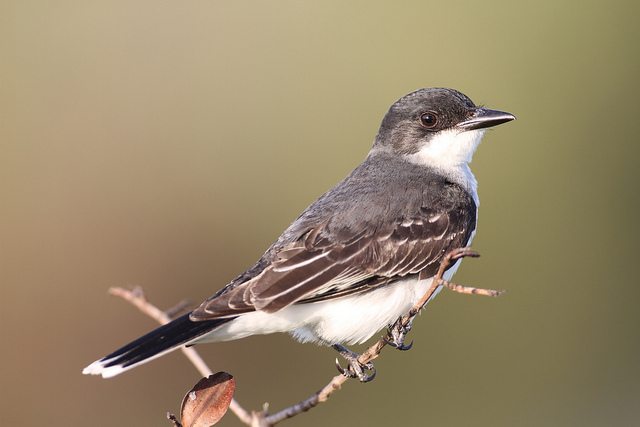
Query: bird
x=361, y=255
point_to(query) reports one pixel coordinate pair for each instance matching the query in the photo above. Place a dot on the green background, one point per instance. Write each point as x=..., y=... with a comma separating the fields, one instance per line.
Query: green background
x=167, y=144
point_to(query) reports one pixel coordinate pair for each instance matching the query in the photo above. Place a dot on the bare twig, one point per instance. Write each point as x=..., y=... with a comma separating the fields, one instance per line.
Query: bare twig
x=139, y=299
x=473, y=291
x=374, y=351
x=173, y=418
x=261, y=418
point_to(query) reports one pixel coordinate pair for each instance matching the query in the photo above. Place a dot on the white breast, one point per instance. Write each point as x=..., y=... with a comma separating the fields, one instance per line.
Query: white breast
x=351, y=320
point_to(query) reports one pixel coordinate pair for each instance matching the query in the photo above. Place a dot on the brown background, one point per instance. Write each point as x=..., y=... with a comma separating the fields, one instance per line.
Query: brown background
x=167, y=144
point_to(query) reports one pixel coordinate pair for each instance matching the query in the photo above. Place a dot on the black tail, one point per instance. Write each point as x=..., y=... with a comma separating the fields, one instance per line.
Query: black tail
x=152, y=345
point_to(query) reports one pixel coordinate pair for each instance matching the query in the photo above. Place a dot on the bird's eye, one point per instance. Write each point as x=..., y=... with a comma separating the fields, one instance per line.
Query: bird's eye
x=428, y=120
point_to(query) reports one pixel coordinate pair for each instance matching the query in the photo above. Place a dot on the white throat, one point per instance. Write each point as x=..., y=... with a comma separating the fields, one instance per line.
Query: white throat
x=450, y=152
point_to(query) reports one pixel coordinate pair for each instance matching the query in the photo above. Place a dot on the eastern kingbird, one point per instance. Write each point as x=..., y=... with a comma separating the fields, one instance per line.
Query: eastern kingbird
x=360, y=256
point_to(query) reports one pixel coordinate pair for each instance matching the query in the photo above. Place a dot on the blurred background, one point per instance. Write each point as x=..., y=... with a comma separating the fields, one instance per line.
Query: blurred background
x=168, y=144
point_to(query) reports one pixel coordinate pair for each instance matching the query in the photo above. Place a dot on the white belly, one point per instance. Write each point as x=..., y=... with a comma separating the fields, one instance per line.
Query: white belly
x=351, y=320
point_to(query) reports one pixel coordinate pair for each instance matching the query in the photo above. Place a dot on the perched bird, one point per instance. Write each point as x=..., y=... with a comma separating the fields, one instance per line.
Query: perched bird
x=361, y=255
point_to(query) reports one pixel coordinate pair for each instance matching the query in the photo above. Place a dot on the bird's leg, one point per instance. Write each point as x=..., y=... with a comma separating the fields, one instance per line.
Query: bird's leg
x=397, y=333
x=354, y=368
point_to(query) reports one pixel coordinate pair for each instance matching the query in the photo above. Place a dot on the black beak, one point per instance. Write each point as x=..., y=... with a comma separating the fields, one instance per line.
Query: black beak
x=481, y=118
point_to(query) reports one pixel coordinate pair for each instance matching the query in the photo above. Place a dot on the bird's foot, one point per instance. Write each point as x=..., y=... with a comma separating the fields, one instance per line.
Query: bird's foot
x=354, y=369
x=398, y=332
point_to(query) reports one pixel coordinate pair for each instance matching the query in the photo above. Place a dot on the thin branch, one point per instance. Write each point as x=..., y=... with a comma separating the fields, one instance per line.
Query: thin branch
x=473, y=291
x=373, y=351
x=173, y=418
x=138, y=298
x=261, y=419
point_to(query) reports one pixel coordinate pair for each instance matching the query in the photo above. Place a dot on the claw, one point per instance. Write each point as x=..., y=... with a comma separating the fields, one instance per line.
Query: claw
x=406, y=347
x=397, y=333
x=368, y=378
x=401, y=347
x=342, y=370
x=354, y=369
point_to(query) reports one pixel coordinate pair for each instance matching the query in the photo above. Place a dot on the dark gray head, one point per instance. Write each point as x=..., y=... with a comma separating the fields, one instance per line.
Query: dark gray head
x=421, y=118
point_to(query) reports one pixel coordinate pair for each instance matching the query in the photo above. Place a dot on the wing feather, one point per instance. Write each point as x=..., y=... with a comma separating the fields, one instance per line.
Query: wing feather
x=330, y=260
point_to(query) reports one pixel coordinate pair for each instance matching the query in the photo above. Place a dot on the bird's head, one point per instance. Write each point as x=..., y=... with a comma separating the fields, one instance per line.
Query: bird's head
x=436, y=127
